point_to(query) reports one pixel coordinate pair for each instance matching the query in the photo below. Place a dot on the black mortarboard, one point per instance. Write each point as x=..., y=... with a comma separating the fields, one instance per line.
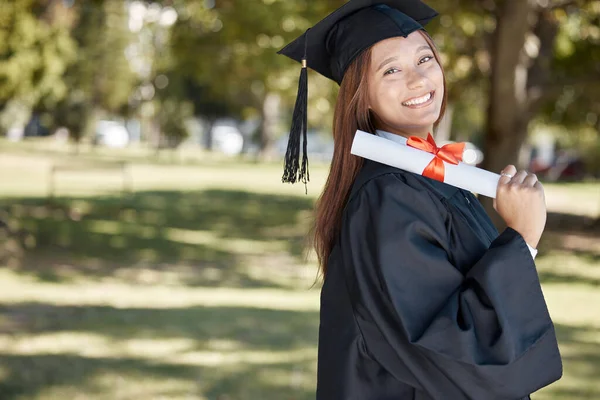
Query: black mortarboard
x=332, y=44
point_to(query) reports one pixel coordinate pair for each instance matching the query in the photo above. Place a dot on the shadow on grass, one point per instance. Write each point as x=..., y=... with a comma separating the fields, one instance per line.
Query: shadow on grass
x=218, y=230
x=551, y=277
x=571, y=222
x=30, y=376
x=27, y=376
x=570, y=250
x=244, y=329
x=581, y=361
x=569, y=258
x=250, y=328
x=206, y=238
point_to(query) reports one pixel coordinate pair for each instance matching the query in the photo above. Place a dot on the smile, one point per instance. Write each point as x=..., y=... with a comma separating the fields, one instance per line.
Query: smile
x=420, y=101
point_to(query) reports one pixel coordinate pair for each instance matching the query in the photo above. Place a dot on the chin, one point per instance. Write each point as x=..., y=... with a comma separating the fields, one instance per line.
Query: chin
x=408, y=124
x=429, y=119
x=421, y=124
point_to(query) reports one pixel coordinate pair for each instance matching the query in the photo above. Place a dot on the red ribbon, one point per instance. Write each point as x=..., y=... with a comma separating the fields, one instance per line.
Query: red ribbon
x=451, y=153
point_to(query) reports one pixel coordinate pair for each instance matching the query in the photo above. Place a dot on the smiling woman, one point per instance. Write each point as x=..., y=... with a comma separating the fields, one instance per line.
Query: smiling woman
x=410, y=74
x=422, y=298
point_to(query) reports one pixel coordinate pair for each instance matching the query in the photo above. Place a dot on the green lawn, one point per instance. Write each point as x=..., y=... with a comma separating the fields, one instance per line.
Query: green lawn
x=196, y=285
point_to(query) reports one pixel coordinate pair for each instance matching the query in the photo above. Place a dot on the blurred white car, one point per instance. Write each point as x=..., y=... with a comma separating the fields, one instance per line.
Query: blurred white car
x=319, y=146
x=227, y=139
x=111, y=134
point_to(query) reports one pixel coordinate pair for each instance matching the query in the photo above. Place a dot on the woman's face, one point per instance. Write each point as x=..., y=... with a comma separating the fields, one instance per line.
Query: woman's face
x=406, y=85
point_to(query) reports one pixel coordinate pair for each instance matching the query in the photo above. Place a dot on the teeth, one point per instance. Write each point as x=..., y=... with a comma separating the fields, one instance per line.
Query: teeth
x=418, y=101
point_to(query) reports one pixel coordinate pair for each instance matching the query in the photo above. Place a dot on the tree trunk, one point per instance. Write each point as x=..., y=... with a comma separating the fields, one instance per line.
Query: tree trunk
x=208, y=134
x=507, y=115
x=268, y=131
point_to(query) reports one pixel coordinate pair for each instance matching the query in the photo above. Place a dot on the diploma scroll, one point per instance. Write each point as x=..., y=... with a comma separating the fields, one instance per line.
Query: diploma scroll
x=401, y=156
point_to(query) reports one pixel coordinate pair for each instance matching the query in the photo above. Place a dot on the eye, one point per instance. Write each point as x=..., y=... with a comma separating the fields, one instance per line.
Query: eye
x=425, y=59
x=391, y=71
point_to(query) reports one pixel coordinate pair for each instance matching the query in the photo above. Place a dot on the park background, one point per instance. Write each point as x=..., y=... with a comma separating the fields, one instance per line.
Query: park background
x=148, y=249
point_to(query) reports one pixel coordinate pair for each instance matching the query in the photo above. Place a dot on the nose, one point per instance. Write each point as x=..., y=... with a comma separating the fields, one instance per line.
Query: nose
x=416, y=79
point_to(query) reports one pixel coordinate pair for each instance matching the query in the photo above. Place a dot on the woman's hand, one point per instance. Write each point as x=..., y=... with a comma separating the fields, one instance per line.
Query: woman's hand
x=521, y=202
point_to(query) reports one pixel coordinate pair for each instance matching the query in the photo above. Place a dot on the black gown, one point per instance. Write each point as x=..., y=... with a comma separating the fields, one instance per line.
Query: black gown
x=424, y=300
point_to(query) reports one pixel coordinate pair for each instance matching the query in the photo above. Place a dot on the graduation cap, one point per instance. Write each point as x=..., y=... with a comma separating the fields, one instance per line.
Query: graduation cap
x=332, y=44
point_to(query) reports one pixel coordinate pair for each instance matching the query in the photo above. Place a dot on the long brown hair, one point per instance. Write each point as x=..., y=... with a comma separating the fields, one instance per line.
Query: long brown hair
x=351, y=113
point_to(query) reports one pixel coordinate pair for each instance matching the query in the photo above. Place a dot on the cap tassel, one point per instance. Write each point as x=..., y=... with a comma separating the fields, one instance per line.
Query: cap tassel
x=299, y=126
x=299, y=122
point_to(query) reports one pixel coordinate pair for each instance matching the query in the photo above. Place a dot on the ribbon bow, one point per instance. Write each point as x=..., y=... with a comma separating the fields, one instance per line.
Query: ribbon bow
x=451, y=153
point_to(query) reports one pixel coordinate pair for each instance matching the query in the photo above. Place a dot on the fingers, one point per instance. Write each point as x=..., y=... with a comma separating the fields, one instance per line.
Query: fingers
x=507, y=174
x=510, y=175
x=519, y=178
x=530, y=180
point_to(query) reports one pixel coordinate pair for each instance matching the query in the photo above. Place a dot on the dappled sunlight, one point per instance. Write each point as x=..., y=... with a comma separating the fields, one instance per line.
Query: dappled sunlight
x=227, y=230
x=580, y=350
x=233, y=245
x=198, y=284
x=21, y=289
x=576, y=198
x=219, y=358
x=63, y=376
x=576, y=242
x=563, y=266
x=263, y=329
x=573, y=303
x=4, y=373
x=292, y=380
x=134, y=385
x=87, y=344
x=217, y=352
x=90, y=335
x=296, y=378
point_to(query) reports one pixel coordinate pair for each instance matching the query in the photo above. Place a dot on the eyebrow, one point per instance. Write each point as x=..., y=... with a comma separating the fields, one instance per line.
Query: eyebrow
x=386, y=61
x=390, y=59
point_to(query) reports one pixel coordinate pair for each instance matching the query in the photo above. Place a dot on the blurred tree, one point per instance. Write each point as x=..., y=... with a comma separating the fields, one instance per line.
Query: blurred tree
x=35, y=50
x=209, y=106
x=571, y=101
x=174, y=109
x=559, y=53
x=101, y=79
x=532, y=60
x=229, y=47
x=529, y=69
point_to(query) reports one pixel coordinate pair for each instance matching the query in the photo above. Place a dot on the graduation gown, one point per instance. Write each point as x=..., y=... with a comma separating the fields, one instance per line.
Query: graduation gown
x=424, y=300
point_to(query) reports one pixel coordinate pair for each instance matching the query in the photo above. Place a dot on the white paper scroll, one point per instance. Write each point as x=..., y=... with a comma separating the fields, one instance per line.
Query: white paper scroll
x=401, y=156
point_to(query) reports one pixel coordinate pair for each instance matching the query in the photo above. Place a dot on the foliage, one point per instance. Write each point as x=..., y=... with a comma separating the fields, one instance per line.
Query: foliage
x=229, y=47
x=35, y=51
x=82, y=60
x=101, y=78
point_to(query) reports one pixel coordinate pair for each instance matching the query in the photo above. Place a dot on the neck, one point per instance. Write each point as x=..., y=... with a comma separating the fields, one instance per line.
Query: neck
x=407, y=132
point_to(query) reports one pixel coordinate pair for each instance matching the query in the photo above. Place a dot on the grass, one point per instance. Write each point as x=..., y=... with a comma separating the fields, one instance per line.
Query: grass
x=195, y=285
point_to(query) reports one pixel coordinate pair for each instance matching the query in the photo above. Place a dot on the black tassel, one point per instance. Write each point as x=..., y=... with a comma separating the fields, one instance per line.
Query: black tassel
x=299, y=125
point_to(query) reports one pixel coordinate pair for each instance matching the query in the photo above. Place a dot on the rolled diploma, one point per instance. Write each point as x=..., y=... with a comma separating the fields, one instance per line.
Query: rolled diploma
x=401, y=156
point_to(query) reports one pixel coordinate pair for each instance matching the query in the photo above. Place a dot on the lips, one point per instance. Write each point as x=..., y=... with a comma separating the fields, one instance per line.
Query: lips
x=420, y=101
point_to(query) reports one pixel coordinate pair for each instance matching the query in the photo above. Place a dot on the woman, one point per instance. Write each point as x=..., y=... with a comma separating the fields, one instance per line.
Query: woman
x=422, y=299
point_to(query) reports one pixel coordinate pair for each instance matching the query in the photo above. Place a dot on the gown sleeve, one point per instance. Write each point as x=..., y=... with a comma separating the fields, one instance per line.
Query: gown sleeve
x=484, y=334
